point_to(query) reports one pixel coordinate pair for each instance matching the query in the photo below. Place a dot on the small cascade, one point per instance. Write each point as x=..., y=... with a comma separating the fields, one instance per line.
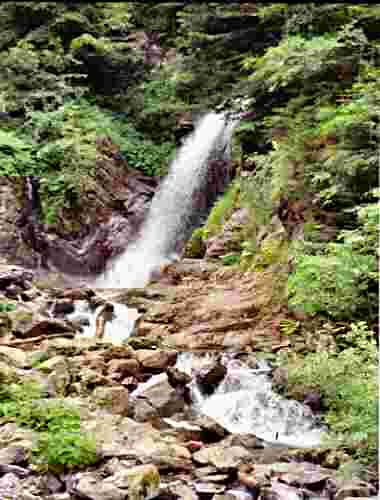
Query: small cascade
x=176, y=208
x=33, y=202
x=116, y=331
x=244, y=403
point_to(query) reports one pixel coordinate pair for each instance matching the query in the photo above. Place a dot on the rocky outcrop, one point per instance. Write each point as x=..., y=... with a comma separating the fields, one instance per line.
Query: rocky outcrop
x=110, y=216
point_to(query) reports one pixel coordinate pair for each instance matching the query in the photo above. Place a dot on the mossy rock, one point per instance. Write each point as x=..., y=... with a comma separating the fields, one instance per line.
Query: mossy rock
x=101, y=46
x=272, y=251
x=196, y=247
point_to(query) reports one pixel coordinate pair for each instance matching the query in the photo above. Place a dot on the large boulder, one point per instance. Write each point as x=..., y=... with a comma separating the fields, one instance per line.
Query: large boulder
x=156, y=398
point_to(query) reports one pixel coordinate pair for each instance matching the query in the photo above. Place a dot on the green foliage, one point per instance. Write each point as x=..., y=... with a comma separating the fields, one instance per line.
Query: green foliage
x=282, y=65
x=155, y=105
x=289, y=326
x=256, y=195
x=39, y=79
x=60, y=444
x=65, y=449
x=338, y=283
x=231, y=259
x=348, y=384
x=60, y=147
x=101, y=45
x=7, y=307
x=221, y=211
x=365, y=238
x=16, y=155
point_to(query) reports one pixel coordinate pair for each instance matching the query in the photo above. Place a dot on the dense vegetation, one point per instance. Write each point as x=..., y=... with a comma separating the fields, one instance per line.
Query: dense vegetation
x=60, y=445
x=311, y=75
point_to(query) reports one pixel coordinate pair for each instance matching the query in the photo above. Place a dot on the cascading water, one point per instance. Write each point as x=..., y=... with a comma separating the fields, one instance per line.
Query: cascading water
x=245, y=403
x=116, y=331
x=172, y=215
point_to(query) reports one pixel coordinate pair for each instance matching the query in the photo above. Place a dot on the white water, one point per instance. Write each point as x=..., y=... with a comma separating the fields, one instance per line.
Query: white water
x=115, y=331
x=169, y=217
x=244, y=403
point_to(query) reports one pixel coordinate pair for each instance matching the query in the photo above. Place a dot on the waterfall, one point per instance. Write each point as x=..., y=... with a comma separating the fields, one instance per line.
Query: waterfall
x=174, y=213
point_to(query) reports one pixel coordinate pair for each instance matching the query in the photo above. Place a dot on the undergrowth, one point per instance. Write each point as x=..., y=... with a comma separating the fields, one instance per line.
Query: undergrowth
x=61, y=444
x=348, y=383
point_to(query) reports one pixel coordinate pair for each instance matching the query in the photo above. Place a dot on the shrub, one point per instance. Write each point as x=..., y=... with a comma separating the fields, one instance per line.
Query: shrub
x=348, y=384
x=61, y=443
x=336, y=283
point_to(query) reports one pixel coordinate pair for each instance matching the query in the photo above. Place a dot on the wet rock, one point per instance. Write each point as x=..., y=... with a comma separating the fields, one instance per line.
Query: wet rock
x=185, y=431
x=15, y=357
x=63, y=307
x=248, y=441
x=30, y=295
x=177, y=378
x=156, y=360
x=156, y=398
x=115, y=399
x=313, y=400
x=211, y=430
x=15, y=276
x=280, y=379
x=78, y=294
x=209, y=378
x=13, y=291
x=220, y=457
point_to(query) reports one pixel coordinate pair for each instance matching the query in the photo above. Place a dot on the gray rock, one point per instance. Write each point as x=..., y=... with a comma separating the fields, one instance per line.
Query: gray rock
x=156, y=398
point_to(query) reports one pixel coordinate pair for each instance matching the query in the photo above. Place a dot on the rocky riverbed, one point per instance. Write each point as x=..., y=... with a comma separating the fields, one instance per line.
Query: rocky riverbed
x=135, y=398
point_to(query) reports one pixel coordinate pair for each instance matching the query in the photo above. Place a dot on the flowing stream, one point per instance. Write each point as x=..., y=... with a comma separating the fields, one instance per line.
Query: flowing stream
x=116, y=331
x=244, y=403
x=173, y=213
